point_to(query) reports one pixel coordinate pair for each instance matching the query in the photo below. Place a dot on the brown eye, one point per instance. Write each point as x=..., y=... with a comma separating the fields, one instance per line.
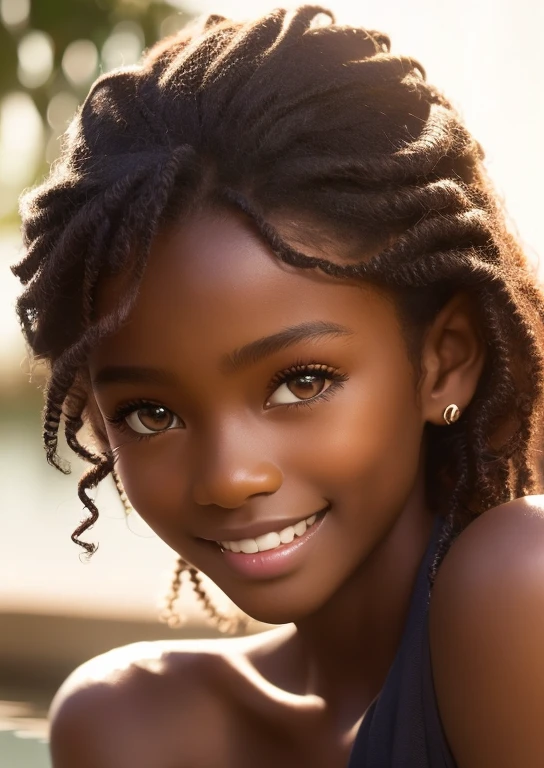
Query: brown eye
x=152, y=418
x=300, y=388
x=307, y=386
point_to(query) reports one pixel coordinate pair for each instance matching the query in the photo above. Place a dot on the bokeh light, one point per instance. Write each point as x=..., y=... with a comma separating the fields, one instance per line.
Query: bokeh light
x=61, y=109
x=80, y=62
x=35, y=53
x=124, y=46
x=14, y=13
x=172, y=24
x=21, y=136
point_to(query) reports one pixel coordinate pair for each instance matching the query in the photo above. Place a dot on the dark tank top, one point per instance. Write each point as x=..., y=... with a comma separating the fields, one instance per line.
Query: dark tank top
x=402, y=727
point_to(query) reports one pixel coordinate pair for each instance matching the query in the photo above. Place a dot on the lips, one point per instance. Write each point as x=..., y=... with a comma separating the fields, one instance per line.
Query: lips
x=276, y=562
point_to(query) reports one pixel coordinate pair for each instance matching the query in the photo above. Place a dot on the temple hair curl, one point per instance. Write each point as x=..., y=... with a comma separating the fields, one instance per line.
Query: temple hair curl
x=285, y=119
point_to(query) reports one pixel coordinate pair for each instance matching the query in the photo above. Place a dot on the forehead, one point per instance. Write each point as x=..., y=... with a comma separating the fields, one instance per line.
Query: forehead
x=214, y=282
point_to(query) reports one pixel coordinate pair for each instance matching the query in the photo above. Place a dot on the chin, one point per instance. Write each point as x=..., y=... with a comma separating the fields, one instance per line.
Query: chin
x=272, y=616
x=281, y=608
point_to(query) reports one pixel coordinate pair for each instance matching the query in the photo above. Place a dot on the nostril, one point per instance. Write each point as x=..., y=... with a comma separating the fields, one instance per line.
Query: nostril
x=232, y=489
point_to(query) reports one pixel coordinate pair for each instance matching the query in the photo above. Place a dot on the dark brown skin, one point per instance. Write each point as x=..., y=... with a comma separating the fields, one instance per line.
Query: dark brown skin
x=233, y=454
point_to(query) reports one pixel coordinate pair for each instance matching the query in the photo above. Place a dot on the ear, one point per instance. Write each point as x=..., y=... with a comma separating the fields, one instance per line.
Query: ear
x=452, y=359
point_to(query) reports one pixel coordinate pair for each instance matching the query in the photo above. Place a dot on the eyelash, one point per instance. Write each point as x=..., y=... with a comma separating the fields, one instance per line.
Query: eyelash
x=298, y=369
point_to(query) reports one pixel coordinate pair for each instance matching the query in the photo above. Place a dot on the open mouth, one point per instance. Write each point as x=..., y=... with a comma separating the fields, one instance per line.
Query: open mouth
x=273, y=539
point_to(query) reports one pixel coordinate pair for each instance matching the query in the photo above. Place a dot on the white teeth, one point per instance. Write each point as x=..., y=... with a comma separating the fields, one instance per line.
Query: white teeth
x=287, y=535
x=270, y=540
x=248, y=546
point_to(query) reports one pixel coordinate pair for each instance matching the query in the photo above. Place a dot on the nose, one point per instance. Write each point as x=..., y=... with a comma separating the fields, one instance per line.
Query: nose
x=232, y=470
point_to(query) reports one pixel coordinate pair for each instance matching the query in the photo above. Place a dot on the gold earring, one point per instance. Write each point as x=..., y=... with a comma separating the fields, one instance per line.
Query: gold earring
x=451, y=414
x=170, y=615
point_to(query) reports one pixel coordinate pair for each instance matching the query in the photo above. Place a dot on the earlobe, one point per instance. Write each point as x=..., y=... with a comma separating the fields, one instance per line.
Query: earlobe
x=452, y=361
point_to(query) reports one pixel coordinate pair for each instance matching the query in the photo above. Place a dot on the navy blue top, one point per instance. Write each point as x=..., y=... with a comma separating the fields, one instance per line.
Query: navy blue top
x=402, y=727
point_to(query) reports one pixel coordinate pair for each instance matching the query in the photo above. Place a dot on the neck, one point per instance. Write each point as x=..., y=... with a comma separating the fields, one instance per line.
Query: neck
x=347, y=647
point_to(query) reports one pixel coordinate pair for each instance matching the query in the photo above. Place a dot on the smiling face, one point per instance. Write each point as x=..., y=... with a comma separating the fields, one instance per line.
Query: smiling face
x=245, y=396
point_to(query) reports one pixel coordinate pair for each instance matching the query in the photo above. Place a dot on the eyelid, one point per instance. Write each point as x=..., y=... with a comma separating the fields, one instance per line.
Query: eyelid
x=298, y=369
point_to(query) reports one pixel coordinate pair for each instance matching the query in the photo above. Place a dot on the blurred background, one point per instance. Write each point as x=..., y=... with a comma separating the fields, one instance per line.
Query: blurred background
x=55, y=610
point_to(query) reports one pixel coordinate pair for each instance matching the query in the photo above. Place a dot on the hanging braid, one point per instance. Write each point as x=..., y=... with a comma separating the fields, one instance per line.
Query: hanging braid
x=287, y=120
x=170, y=615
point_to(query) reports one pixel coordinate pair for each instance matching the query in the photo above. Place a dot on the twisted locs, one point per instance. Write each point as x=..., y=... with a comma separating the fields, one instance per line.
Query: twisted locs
x=228, y=623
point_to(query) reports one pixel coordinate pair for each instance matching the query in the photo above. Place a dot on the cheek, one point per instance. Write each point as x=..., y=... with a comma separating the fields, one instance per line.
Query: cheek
x=154, y=478
x=372, y=439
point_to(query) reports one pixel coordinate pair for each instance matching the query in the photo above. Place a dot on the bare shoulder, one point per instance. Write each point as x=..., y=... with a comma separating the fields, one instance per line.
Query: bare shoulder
x=144, y=704
x=110, y=711
x=487, y=638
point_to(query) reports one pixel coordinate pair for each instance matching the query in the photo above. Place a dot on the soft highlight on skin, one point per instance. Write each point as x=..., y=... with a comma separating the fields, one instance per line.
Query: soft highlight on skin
x=283, y=121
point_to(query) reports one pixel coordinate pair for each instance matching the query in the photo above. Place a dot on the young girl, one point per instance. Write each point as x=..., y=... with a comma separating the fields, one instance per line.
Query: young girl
x=270, y=275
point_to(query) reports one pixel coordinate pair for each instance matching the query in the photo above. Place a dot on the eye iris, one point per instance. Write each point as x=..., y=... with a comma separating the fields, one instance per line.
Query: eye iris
x=155, y=417
x=305, y=387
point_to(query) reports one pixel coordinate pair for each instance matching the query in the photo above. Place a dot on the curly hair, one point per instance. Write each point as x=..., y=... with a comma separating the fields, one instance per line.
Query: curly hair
x=288, y=117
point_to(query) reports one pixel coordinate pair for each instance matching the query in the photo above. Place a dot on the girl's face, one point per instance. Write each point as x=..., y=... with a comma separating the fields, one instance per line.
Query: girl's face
x=245, y=396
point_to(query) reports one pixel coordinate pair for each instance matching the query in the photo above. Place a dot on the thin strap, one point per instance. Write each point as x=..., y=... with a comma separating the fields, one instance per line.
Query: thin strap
x=437, y=743
x=393, y=732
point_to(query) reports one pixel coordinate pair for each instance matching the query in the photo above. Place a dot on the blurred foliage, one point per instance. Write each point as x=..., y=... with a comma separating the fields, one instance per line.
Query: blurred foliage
x=60, y=23
x=68, y=20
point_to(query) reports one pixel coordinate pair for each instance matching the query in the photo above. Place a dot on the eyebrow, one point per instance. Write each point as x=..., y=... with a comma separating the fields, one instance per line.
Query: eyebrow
x=132, y=374
x=268, y=345
x=240, y=358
